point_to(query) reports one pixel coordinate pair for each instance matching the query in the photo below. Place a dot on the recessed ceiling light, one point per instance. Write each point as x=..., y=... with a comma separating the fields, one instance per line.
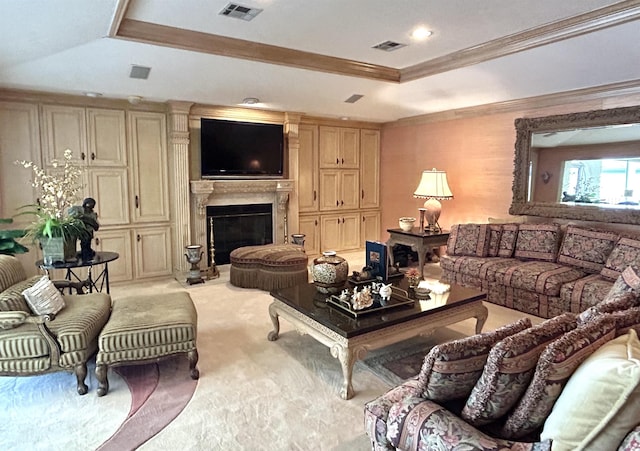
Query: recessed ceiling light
x=250, y=101
x=134, y=100
x=421, y=33
x=93, y=94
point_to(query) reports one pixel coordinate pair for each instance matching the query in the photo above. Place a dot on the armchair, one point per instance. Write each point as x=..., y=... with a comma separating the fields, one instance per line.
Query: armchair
x=33, y=344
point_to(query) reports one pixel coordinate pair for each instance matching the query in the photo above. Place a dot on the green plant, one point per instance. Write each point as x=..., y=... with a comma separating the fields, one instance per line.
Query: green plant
x=8, y=243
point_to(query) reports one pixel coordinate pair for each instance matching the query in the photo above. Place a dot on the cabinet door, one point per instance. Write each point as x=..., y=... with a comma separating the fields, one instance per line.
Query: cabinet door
x=64, y=128
x=349, y=148
x=370, y=226
x=106, y=137
x=330, y=227
x=19, y=140
x=308, y=168
x=369, y=169
x=152, y=252
x=349, y=189
x=109, y=188
x=117, y=241
x=149, y=166
x=350, y=231
x=309, y=225
x=329, y=143
x=330, y=189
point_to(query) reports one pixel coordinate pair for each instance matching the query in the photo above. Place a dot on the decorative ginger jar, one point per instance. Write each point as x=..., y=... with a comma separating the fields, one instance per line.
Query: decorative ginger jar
x=329, y=272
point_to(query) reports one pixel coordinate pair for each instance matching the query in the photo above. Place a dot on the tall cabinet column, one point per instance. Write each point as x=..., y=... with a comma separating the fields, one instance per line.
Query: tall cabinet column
x=179, y=182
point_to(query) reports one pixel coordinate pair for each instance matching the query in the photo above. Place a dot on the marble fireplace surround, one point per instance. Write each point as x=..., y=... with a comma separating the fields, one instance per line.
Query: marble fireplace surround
x=240, y=192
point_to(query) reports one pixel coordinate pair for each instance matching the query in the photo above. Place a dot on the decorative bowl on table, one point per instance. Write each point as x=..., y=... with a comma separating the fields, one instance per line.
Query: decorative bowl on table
x=406, y=223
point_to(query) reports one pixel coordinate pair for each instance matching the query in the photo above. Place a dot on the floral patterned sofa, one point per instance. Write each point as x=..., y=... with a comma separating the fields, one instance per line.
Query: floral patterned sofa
x=541, y=269
x=569, y=383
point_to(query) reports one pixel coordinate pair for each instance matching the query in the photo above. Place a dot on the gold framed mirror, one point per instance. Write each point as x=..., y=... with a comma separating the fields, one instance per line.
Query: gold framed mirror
x=583, y=166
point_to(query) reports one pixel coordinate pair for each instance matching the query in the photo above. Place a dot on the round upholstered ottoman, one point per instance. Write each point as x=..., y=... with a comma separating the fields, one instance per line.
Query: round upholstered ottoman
x=143, y=329
x=269, y=267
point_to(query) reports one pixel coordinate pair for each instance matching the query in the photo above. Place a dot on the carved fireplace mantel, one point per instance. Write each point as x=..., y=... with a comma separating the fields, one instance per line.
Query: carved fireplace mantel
x=237, y=192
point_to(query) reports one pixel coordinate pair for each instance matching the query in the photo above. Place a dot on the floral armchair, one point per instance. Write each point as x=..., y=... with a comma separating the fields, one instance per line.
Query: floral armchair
x=46, y=331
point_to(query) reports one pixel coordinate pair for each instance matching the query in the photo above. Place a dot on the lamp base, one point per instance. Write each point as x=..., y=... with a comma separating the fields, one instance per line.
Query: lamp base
x=432, y=209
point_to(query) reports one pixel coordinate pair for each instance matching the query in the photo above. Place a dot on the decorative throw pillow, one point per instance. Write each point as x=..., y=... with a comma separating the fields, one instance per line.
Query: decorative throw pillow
x=469, y=239
x=450, y=370
x=601, y=402
x=508, y=240
x=625, y=253
x=9, y=320
x=495, y=233
x=44, y=298
x=586, y=248
x=509, y=369
x=555, y=365
x=538, y=242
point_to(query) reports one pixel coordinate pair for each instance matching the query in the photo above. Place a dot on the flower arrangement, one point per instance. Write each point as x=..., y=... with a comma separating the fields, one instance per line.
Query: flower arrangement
x=57, y=191
x=413, y=276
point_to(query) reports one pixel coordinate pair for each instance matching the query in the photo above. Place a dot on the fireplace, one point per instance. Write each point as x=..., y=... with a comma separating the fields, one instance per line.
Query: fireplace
x=235, y=226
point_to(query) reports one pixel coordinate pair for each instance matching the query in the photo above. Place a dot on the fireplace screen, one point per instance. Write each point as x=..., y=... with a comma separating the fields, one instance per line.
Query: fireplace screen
x=235, y=226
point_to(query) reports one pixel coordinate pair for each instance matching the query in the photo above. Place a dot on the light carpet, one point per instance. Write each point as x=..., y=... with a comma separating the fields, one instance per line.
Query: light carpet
x=252, y=394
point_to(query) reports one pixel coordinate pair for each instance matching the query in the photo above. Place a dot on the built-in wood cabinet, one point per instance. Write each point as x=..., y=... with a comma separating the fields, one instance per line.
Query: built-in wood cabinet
x=369, y=169
x=110, y=188
x=116, y=240
x=339, y=147
x=148, y=147
x=339, y=189
x=64, y=127
x=340, y=231
x=310, y=226
x=152, y=252
x=107, y=144
x=308, y=168
x=370, y=225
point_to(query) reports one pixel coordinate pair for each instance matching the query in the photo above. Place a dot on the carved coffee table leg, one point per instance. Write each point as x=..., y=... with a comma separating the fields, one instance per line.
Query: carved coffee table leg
x=81, y=374
x=481, y=317
x=346, y=358
x=103, y=382
x=193, y=360
x=273, y=335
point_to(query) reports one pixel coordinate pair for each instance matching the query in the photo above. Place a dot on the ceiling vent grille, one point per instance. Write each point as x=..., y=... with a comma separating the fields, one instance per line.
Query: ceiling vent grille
x=354, y=98
x=240, y=12
x=140, y=72
x=389, y=46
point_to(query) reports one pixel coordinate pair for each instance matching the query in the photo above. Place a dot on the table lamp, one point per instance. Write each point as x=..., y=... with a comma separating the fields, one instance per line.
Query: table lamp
x=433, y=187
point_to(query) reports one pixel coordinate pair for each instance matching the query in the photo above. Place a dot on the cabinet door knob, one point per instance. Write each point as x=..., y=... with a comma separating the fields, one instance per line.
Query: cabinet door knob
x=138, y=237
x=93, y=156
x=343, y=220
x=315, y=222
x=82, y=156
x=363, y=194
x=337, y=203
x=341, y=202
x=338, y=220
x=97, y=241
x=137, y=202
x=343, y=161
x=315, y=195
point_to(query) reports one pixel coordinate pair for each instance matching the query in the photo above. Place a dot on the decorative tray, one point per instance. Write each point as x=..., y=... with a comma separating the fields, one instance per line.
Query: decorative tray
x=399, y=297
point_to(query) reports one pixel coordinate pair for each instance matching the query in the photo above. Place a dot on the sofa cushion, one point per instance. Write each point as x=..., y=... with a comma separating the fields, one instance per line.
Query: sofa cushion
x=508, y=240
x=580, y=294
x=11, y=271
x=9, y=320
x=555, y=365
x=469, y=239
x=450, y=370
x=537, y=242
x=483, y=267
x=537, y=276
x=43, y=297
x=509, y=369
x=601, y=402
x=495, y=234
x=625, y=253
x=420, y=424
x=21, y=343
x=586, y=249
x=12, y=299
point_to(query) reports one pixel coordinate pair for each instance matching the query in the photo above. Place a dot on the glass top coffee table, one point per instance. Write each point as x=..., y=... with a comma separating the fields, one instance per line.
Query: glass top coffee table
x=350, y=338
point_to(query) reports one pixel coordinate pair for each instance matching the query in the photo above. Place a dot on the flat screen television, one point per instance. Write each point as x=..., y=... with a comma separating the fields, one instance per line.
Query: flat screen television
x=241, y=149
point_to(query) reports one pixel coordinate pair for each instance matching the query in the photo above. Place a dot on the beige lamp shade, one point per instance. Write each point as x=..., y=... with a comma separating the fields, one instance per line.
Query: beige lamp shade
x=433, y=186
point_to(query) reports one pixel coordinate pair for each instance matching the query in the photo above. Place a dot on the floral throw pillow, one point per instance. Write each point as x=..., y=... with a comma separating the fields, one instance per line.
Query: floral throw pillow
x=555, y=365
x=495, y=233
x=469, y=239
x=509, y=369
x=586, y=249
x=508, y=240
x=450, y=370
x=625, y=253
x=538, y=242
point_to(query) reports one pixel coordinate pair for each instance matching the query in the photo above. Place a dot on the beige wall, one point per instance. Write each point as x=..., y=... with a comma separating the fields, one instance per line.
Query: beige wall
x=477, y=153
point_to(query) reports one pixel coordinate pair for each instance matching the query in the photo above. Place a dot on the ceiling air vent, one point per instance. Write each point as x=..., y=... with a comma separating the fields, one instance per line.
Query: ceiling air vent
x=389, y=46
x=141, y=72
x=240, y=12
x=354, y=98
